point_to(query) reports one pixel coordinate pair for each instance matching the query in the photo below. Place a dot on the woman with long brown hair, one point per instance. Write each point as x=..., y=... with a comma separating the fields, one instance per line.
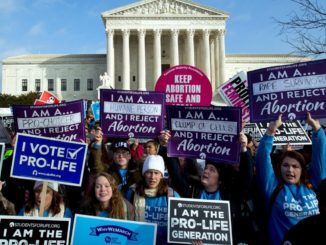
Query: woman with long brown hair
x=54, y=202
x=104, y=199
x=150, y=196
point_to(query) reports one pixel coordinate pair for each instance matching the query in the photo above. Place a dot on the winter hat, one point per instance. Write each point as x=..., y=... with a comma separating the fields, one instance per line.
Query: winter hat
x=54, y=186
x=153, y=162
x=120, y=145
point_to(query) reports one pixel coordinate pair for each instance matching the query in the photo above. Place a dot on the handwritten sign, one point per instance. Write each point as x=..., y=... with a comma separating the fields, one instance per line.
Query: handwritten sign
x=61, y=121
x=193, y=219
x=34, y=230
x=42, y=158
x=131, y=114
x=185, y=85
x=235, y=93
x=291, y=90
x=98, y=230
x=204, y=132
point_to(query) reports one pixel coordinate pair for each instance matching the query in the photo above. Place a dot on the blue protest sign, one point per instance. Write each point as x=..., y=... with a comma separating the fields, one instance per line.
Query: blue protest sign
x=42, y=158
x=96, y=110
x=98, y=230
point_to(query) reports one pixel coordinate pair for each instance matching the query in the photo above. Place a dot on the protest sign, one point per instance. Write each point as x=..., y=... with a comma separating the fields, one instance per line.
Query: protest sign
x=42, y=158
x=8, y=122
x=47, y=98
x=131, y=114
x=290, y=132
x=34, y=230
x=61, y=121
x=185, y=85
x=291, y=90
x=191, y=219
x=4, y=134
x=252, y=130
x=100, y=230
x=95, y=106
x=204, y=132
x=235, y=93
x=2, y=153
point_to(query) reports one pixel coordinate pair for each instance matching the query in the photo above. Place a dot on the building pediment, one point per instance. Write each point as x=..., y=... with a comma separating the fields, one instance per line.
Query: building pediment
x=163, y=8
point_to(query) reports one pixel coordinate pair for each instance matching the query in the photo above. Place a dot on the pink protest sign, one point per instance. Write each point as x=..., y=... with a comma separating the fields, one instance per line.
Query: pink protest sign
x=185, y=85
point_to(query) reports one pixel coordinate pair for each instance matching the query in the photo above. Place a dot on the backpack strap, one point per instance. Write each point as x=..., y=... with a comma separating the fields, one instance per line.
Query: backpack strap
x=169, y=194
x=275, y=192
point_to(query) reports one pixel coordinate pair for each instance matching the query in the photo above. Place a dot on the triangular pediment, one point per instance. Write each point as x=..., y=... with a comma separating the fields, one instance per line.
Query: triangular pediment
x=165, y=8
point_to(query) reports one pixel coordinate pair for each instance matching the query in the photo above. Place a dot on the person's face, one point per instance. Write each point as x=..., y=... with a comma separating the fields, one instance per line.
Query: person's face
x=152, y=178
x=150, y=149
x=210, y=177
x=48, y=198
x=103, y=190
x=291, y=170
x=121, y=157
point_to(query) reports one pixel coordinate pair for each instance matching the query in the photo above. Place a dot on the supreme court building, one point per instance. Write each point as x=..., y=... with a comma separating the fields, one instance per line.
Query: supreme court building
x=143, y=39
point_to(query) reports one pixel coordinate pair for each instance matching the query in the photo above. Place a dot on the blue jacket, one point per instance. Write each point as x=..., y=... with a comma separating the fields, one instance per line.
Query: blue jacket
x=294, y=202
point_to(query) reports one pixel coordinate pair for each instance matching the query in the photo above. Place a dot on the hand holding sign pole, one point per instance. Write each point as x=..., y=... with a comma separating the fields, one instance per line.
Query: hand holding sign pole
x=43, y=197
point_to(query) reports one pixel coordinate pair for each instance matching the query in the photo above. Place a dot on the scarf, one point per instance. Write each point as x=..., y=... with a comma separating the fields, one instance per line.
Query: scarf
x=139, y=203
x=35, y=212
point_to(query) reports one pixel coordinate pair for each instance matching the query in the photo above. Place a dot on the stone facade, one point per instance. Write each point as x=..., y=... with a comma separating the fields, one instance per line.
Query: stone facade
x=143, y=39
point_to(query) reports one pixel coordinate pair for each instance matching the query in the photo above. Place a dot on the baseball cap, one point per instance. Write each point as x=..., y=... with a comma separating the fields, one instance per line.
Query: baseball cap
x=120, y=145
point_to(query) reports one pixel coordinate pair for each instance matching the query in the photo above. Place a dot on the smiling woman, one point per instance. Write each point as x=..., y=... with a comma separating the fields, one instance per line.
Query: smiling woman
x=104, y=199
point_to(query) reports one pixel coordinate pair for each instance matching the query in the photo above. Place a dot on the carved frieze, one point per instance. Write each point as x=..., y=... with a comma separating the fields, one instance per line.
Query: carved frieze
x=165, y=7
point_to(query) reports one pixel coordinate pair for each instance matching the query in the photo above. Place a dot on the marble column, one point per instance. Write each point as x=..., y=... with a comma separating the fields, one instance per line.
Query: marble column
x=174, y=47
x=217, y=63
x=157, y=54
x=206, y=48
x=212, y=64
x=110, y=57
x=190, y=46
x=126, y=60
x=141, y=60
x=221, y=56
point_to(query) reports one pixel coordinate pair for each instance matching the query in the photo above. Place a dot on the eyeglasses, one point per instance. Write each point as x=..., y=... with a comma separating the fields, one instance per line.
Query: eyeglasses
x=122, y=153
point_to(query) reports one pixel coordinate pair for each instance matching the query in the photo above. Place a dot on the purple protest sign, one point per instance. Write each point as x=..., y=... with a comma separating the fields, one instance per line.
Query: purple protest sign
x=291, y=90
x=205, y=132
x=131, y=114
x=63, y=121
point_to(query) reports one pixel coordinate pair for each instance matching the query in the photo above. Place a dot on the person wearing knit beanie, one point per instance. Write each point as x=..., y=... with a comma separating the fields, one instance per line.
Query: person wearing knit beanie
x=153, y=162
x=153, y=170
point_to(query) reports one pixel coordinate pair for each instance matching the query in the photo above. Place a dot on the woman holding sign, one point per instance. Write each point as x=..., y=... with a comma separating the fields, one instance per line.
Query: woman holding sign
x=150, y=196
x=105, y=200
x=232, y=183
x=289, y=192
x=54, y=204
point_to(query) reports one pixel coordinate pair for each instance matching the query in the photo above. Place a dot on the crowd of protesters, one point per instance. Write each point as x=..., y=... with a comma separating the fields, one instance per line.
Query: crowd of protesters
x=269, y=191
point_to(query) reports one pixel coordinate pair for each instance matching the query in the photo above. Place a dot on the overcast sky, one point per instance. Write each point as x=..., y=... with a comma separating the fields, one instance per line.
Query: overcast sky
x=76, y=27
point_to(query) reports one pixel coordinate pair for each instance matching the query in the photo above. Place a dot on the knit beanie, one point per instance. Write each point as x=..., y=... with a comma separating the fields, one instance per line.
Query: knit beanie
x=153, y=162
x=53, y=185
